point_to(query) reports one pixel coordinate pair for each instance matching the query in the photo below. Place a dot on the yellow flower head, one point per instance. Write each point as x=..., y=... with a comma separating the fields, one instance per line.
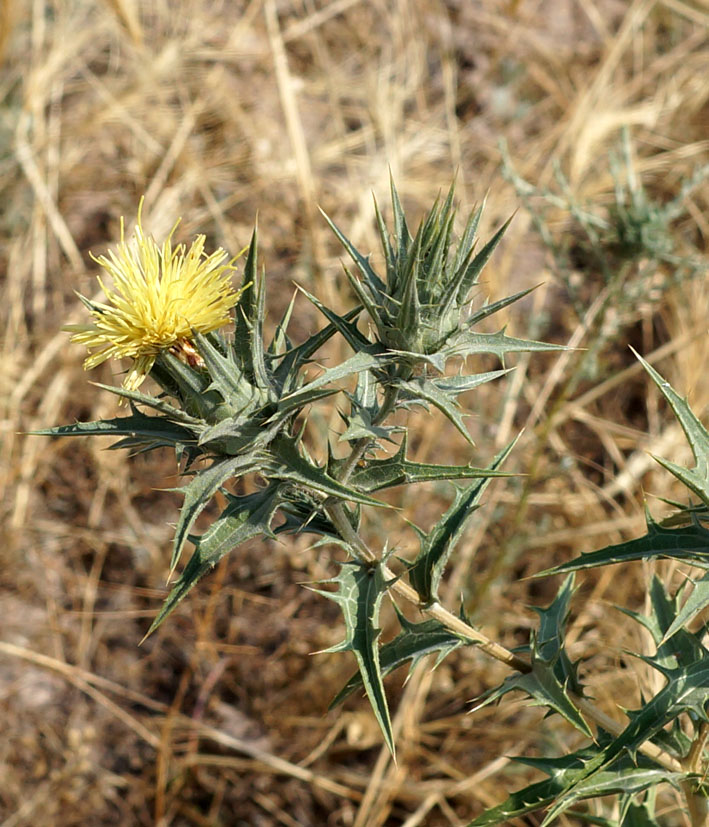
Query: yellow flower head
x=160, y=297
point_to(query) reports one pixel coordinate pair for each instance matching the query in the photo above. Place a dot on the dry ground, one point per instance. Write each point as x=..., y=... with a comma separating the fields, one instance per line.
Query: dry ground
x=217, y=111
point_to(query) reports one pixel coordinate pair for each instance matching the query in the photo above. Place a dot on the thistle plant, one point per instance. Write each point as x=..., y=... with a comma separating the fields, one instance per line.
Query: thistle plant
x=234, y=409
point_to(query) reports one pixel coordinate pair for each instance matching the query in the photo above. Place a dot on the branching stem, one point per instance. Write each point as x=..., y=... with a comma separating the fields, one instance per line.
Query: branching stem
x=696, y=802
x=490, y=647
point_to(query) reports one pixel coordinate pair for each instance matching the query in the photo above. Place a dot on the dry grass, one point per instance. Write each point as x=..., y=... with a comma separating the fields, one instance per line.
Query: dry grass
x=216, y=111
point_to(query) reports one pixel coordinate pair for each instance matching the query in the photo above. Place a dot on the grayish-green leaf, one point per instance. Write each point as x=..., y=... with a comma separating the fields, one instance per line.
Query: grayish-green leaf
x=697, y=601
x=687, y=690
x=159, y=405
x=286, y=373
x=360, y=589
x=467, y=343
x=200, y=490
x=377, y=474
x=226, y=375
x=190, y=385
x=689, y=543
x=289, y=465
x=138, y=427
x=347, y=329
x=365, y=412
x=476, y=266
x=624, y=777
x=243, y=518
x=488, y=309
x=550, y=637
x=361, y=261
x=553, y=675
x=318, y=387
x=427, y=391
x=426, y=571
x=414, y=641
x=696, y=479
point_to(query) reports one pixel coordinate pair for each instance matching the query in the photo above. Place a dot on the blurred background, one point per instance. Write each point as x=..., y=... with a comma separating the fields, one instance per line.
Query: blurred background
x=590, y=119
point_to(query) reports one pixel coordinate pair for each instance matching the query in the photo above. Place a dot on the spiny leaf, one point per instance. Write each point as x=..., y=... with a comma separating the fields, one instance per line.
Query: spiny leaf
x=681, y=647
x=696, y=602
x=624, y=777
x=200, y=490
x=550, y=638
x=476, y=266
x=401, y=231
x=243, y=518
x=235, y=435
x=372, y=305
x=139, y=427
x=360, y=425
x=389, y=252
x=663, y=610
x=377, y=474
x=359, y=595
x=289, y=405
x=226, y=375
x=428, y=391
x=628, y=781
x=690, y=543
x=286, y=374
x=246, y=310
x=696, y=479
x=317, y=388
x=362, y=262
x=553, y=674
x=304, y=514
x=455, y=385
x=408, y=317
x=159, y=405
x=437, y=247
x=347, y=329
x=189, y=384
x=365, y=412
x=543, y=686
x=414, y=641
x=261, y=377
x=280, y=343
x=426, y=571
x=289, y=465
x=492, y=308
x=467, y=241
x=687, y=690
x=467, y=343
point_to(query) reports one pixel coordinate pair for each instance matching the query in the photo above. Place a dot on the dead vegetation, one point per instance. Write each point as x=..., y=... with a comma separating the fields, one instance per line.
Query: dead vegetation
x=217, y=112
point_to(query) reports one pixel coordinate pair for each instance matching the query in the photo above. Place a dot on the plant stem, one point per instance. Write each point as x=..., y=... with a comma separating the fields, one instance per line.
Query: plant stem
x=495, y=650
x=336, y=513
x=449, y=620
x=694, y=758
x=696, y=802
